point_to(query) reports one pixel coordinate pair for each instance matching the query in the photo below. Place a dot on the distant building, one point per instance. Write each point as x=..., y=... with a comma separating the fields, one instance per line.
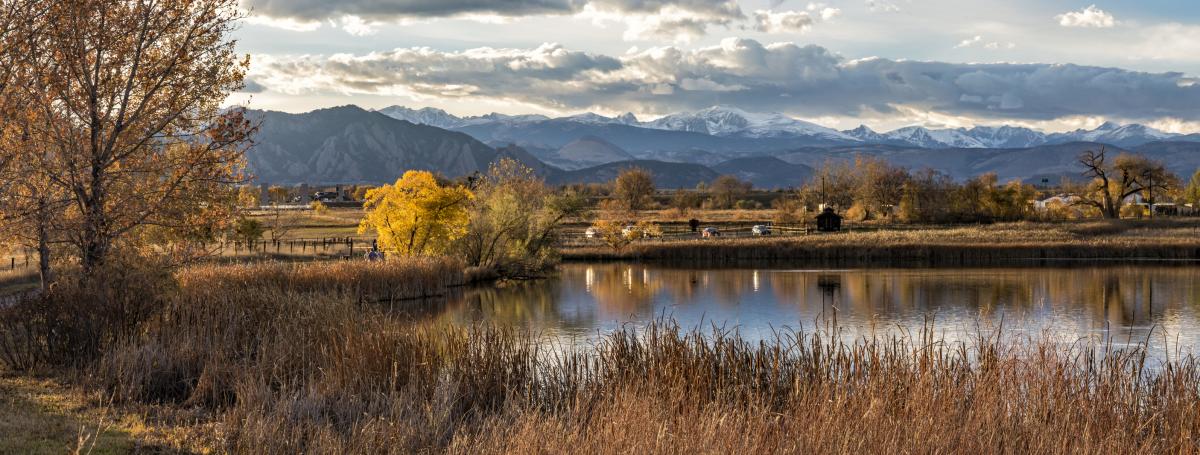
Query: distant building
x=829, y=221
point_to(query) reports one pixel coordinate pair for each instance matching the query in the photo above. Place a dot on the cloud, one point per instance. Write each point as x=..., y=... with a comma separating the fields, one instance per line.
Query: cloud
x=882, y=6
x=793, y=21
x=1087, y=17
x=969, y=42
x=680, y=20
x=800, y=80
x=250, y=86
x=977, y=40
x=316, y=10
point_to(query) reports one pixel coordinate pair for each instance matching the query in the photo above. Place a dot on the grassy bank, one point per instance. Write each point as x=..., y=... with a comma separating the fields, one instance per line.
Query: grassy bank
x=303, y=358
x=999, y=244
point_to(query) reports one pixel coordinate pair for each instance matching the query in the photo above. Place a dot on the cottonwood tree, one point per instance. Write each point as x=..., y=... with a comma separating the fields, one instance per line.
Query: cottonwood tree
x=29, y=204
x=878, y=186
x=417, y=215
x=634, y=188
x=726, y=190
x=1114, y=181
x=1191, y=194
x=126, y=97
x=514, y=219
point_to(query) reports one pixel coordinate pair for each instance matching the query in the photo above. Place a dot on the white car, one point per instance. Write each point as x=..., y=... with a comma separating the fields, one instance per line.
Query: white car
x=760, y=229
x=591, y=233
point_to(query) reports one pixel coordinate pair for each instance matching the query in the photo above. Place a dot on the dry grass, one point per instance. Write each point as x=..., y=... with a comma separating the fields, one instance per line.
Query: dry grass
x=384, y=280
x=293, y=359
x=983, y=245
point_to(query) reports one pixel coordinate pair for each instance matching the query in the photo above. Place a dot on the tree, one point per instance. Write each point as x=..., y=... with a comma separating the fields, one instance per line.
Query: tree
x=416, y=216
x=278, y=194
x=1125, y=176
x=634, y=188
x=248, y=230
x=833, y=185
x=878, y=186
x=1191, y=194
x=514, y=220
x=249, y=197
x=726, y=190
x=360, y=192
x=125, y=114
x=281, y=222
x=927, y=196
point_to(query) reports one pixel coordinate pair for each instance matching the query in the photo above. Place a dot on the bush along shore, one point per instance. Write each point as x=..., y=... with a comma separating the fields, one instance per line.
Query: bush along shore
x=1001, y=244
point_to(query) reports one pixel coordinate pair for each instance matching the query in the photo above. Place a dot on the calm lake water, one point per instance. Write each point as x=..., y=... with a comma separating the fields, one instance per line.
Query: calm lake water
x=1128, y=303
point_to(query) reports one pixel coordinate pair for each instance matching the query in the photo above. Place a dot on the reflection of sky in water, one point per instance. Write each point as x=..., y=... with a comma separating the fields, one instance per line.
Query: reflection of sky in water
x=1066, y=304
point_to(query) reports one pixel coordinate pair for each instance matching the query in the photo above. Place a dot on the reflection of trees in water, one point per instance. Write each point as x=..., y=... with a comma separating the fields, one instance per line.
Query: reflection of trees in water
x=583, y=293
x=619, y=289
x=1122, y=295
x=525, y=304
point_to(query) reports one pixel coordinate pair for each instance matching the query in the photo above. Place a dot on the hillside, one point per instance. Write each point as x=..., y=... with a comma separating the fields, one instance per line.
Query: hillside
x=766, y=172
x=666, y=175
x=351, y=145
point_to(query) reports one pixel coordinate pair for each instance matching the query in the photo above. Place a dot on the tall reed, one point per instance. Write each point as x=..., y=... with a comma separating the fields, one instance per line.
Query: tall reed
x=286, y=364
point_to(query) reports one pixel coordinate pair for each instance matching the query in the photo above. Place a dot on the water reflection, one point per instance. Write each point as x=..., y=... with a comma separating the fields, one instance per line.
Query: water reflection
x=1067, y=303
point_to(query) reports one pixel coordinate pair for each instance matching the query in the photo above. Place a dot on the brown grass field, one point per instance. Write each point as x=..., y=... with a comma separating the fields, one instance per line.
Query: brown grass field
x=331, y=358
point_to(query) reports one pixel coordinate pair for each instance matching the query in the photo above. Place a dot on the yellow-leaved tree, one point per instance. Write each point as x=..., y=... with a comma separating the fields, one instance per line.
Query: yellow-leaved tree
x=416, y=216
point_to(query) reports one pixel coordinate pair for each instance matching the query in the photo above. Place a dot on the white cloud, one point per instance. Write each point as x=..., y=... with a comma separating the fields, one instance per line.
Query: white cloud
x=295, y=25
x=882, y=6
x=1087, y=17
x=801, y=80
x=356, y=26
x=969, y=42
x=793, y=21
x=977, y=40
x=678, y=20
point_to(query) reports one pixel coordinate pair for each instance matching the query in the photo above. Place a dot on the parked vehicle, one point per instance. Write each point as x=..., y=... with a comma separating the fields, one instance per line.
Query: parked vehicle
x=710, y=232
x=591, y=233
x=760, y=229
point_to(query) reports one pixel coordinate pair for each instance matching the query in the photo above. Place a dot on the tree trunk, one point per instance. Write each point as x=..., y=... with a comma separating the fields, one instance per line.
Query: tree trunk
x=44, y=273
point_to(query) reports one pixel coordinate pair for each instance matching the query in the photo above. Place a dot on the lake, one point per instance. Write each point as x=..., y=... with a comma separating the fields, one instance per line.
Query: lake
x=1127, y=304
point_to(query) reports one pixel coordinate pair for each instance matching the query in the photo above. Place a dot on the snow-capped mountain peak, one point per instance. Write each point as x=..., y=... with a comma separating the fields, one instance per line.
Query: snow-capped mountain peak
x=727, y=121
x=731, y=121
x=923, y=137
x=425, y=116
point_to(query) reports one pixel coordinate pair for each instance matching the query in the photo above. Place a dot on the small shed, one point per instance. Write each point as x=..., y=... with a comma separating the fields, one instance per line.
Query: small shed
x=828, y=221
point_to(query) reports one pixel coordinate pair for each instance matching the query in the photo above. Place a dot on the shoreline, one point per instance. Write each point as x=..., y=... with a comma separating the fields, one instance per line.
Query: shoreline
x=1007, y=244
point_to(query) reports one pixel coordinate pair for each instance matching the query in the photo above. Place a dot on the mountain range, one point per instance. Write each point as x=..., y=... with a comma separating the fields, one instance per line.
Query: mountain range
x=770, y=130
x=351, y=145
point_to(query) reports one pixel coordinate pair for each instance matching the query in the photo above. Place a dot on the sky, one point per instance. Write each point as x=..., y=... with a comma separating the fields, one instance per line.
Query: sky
x=1053, y=65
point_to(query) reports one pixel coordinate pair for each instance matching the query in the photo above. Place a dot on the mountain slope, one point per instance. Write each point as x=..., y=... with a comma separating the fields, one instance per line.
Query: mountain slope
x=350, y=145
x=766, y=172
x=666, y=175
x=1114, y=134
x=1051, y=161
x=587, y=151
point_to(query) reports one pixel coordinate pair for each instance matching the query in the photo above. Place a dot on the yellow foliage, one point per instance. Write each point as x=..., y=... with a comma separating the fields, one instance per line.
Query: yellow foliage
x=416, y=216
x=319, y=207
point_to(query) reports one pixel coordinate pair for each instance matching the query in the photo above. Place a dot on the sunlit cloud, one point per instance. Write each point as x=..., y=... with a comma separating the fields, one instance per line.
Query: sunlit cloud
x=1087, y=17
x=785, y=77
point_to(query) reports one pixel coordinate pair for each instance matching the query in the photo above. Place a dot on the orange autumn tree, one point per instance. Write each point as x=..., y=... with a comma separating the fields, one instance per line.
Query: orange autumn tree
x=417, y=215
x=128, y=125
